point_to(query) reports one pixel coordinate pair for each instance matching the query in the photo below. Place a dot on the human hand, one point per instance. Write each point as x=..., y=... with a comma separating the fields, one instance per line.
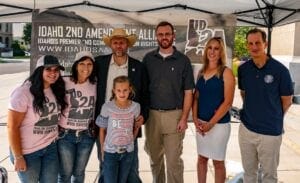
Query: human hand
x=197, y=124
x=182, y=126
x=205, y=126
x=20, y=164
x=139, y=121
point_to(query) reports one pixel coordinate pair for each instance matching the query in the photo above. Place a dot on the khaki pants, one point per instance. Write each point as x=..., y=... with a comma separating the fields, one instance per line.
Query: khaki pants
x=257, y=148
x=162, y=139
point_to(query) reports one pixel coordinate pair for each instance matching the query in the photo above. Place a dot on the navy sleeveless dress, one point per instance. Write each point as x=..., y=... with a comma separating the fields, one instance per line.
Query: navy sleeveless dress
x=211, y=95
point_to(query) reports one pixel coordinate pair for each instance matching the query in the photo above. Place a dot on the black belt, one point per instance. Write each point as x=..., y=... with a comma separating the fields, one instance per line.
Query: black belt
x=163, y=109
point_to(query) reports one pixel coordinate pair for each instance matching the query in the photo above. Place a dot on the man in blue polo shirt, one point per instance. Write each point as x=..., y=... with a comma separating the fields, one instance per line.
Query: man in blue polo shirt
x=266, y=89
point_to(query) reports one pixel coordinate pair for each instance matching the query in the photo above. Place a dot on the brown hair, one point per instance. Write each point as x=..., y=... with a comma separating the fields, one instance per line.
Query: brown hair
x=123, y=79
x=165, y=23
x=256, y=30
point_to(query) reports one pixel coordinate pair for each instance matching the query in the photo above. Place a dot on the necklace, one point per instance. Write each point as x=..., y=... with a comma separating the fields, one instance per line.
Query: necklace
x=209, y=73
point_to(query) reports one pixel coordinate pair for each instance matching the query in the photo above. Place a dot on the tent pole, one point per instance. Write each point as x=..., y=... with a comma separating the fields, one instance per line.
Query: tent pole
x=268, y=21
x=270, y=28
x=269, y=40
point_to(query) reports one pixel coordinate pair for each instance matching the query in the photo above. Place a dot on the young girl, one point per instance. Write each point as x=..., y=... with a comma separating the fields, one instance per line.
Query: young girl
x=33, y=114
x=75, y=143
x=117, y=132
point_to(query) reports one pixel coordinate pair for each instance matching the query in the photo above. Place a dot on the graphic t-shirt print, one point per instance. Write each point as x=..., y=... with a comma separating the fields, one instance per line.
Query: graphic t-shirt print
x=49, y=117
x=122, y=125
x=81, y=108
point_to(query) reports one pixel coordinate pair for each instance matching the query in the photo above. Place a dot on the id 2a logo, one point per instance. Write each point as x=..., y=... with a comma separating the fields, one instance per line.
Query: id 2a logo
x=197, y=36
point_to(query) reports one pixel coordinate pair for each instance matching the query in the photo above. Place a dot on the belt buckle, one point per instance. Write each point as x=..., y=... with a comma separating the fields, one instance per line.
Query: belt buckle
x=77, y=132
x=121, y=150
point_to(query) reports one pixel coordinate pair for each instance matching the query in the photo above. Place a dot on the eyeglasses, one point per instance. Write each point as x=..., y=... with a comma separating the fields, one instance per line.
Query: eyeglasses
x=168, y=34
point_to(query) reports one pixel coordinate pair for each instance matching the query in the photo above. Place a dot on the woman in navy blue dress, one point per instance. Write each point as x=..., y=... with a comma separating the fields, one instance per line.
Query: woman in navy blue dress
x=213, y=98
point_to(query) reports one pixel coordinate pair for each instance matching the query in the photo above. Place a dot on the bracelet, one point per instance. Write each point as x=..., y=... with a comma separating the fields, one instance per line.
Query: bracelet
x=19, y=157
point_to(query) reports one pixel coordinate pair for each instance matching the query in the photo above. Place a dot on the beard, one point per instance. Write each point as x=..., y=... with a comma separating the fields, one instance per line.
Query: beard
x=120, y=53
x=165, y=43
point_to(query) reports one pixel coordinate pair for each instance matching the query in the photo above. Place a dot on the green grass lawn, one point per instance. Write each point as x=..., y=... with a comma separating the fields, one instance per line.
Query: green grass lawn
x=21, y=57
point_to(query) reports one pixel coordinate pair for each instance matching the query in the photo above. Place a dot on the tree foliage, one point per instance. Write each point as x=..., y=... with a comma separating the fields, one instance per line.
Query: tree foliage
x=27, y=33
x=17, y=50
x=240, y=49
x=16, y=45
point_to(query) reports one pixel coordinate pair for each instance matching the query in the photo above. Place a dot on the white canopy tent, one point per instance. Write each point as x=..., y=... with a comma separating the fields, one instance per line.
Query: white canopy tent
x=263, y=13
x=266, y=13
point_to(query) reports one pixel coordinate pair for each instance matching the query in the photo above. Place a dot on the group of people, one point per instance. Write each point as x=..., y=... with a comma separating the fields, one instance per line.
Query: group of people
x=53, y=121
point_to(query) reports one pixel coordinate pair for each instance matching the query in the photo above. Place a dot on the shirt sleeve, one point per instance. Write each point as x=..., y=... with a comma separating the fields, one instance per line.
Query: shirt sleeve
x=137, y=110
x=188, y=76
x=286, y=85
x=240, y=79
x=19, y=100
x=102, y=119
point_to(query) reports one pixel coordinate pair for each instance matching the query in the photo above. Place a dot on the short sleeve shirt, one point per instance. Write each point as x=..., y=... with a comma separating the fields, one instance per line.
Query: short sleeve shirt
x=119, y=125
x=262, y=109
x=81, y=99
x=169, y=77
x=37, y=130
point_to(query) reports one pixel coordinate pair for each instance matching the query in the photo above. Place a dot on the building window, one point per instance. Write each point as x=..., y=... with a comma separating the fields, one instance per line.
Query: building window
x=7, y=27
x=7, y=41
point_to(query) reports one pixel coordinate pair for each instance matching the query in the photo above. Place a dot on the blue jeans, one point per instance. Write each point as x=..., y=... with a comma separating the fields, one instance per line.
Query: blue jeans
x=74, y=153
x=42, y=165
x=100, y=173
x=133, y=176
x=115, y=167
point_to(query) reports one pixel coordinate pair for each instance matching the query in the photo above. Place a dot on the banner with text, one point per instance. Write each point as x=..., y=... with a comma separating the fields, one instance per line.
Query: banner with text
x=63, y=33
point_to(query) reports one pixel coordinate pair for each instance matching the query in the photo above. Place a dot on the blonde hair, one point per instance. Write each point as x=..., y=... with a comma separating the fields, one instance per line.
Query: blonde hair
x=123, y=79
x=221, y=61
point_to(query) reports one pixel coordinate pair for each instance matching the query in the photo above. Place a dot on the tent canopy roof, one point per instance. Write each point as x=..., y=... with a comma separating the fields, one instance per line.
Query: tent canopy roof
x=266, y=13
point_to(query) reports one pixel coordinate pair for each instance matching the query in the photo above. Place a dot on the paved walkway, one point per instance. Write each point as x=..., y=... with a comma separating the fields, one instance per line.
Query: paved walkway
x=288, y=170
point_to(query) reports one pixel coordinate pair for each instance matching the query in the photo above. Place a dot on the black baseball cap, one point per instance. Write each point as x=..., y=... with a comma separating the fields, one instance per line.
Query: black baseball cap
x=49, y=61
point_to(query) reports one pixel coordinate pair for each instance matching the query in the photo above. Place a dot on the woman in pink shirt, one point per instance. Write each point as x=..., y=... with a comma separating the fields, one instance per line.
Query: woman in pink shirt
x=75, y=141
x=33, y=114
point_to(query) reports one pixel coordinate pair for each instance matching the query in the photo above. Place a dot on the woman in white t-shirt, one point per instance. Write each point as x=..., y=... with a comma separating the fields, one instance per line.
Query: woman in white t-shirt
x=75, y=142
x=33, y=114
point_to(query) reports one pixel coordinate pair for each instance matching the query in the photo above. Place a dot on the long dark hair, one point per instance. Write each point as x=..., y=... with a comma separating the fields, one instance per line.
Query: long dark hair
x=74, y=72
x=37, y=90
